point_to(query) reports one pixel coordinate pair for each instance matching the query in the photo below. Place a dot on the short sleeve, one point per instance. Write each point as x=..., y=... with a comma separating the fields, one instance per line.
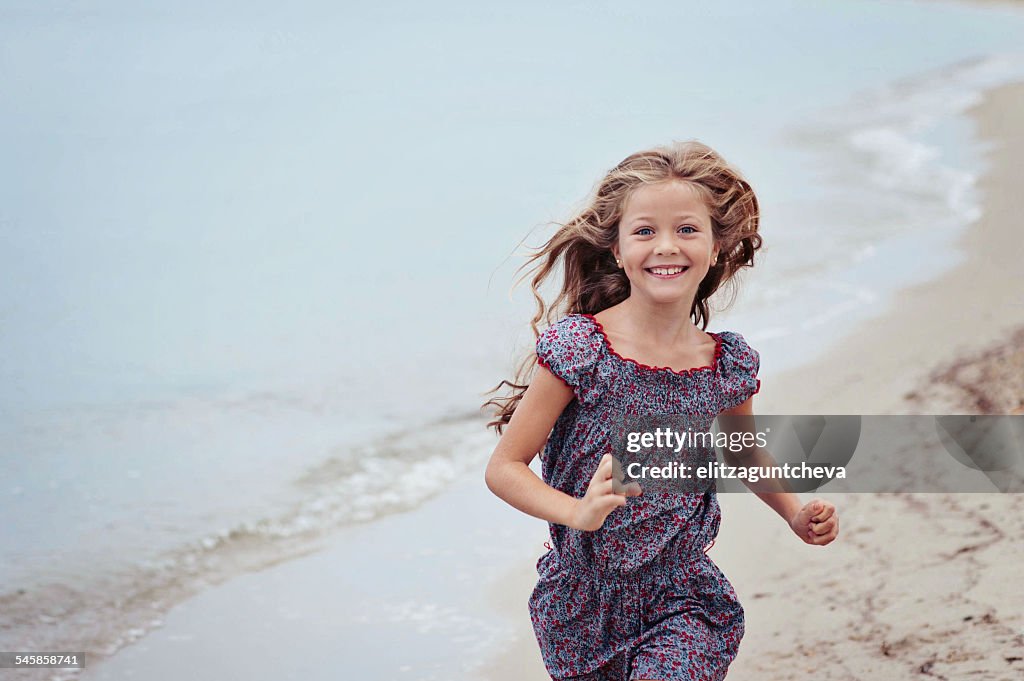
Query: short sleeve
x=739, y=366
x=571, y=349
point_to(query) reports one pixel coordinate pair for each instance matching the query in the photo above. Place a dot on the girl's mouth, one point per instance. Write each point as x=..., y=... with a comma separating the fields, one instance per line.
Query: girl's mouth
x=666, y=272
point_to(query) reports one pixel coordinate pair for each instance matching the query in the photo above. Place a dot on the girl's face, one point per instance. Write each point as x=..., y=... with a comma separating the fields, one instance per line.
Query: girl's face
x=665, y=245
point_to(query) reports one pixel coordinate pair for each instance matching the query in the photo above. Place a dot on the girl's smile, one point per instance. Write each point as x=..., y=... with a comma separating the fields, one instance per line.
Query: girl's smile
x=666, y=272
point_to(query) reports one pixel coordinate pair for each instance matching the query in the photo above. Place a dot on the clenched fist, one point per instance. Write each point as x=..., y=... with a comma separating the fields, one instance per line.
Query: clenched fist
x=601, y=498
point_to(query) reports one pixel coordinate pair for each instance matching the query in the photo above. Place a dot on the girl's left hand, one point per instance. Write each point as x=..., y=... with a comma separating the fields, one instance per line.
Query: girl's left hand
x=816, y=523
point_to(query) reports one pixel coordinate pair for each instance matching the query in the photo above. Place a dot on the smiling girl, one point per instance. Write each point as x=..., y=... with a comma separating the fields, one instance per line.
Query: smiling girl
x=628, y=590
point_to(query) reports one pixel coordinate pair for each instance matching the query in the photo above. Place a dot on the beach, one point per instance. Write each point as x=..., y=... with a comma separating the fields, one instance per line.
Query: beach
x=916, y=584
x=256, y=283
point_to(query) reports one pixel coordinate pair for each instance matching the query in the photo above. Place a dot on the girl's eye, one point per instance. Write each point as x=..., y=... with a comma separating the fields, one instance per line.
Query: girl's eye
x=645, y=231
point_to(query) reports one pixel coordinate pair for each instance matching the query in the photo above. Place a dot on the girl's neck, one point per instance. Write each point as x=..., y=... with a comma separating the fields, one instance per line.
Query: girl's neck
x=665, y=326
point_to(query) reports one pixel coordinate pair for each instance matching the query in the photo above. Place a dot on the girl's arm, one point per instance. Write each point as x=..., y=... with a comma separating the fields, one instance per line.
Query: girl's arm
x=816, y=522
x=508, y=472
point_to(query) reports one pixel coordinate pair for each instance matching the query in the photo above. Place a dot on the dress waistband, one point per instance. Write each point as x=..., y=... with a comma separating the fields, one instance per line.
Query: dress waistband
x=659, y=568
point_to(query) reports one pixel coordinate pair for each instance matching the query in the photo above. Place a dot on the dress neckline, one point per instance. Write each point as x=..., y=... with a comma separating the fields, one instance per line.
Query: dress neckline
x=641, y=365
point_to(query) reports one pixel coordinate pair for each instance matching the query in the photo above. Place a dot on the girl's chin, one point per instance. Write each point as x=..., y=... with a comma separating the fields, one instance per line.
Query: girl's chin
x=666, y=287
x=667, y=298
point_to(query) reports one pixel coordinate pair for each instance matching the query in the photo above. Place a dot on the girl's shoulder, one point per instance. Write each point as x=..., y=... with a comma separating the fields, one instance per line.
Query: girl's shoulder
x=572, y=348
x=736, y=351
x=577, y=328
x=738, y=366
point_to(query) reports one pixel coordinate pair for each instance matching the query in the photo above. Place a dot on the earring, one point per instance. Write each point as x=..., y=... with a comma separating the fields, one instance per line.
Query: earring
x=618, y=263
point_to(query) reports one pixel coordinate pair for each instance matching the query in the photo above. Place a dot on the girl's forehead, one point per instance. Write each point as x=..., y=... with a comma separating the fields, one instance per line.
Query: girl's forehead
x=665, y=197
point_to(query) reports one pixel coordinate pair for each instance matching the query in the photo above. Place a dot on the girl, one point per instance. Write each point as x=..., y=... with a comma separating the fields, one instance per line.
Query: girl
x=627, y=592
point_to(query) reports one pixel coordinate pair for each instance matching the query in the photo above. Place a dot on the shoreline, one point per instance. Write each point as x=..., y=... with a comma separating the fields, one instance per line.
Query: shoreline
x=978, y=307
x=881, y=602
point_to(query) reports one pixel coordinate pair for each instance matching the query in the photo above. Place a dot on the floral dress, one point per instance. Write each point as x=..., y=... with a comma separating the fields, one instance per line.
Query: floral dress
x=639, y=598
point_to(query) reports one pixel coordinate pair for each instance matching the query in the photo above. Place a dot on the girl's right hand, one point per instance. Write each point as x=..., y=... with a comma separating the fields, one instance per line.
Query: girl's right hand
x=601, y=498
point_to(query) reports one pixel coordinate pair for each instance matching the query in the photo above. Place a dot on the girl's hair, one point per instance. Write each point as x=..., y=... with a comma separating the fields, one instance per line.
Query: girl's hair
x=593, y=282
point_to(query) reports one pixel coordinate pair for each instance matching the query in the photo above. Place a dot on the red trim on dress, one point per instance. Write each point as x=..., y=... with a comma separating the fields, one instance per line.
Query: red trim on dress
x=685, y=372
x=553, y=373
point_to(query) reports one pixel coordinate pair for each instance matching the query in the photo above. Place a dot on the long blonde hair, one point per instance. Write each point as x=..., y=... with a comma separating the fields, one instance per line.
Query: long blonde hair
x=593, y=282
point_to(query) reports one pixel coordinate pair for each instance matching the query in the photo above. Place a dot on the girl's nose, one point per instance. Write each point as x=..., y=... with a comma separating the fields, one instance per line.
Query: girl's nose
x=666, y=247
